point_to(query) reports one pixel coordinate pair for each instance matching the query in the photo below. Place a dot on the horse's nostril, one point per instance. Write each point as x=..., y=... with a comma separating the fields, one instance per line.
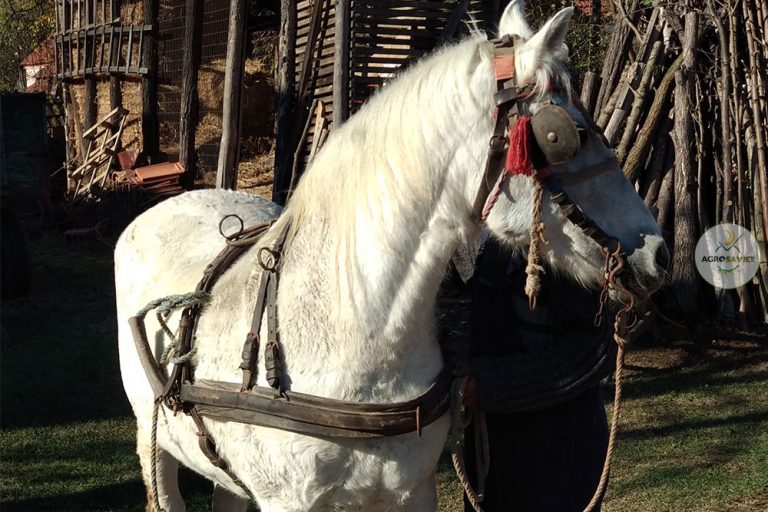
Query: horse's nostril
x=662, y=257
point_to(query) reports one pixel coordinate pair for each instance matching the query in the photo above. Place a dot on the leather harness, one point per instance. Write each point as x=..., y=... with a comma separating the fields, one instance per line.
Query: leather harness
x=277, y=407
x=556, y=125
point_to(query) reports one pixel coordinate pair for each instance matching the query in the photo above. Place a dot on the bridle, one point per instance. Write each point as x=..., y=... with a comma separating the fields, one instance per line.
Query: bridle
x=524, y=144
x=547, y=138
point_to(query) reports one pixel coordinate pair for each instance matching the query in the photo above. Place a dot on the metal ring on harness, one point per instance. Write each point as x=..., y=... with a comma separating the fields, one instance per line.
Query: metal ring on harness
x=268, y=259
x=239, y=231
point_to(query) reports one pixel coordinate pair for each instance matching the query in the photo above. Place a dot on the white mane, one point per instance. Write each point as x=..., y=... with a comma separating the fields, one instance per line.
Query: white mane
x=393, y=173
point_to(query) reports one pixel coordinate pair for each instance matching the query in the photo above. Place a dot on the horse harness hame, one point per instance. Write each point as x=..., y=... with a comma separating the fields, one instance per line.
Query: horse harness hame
x=274, y=407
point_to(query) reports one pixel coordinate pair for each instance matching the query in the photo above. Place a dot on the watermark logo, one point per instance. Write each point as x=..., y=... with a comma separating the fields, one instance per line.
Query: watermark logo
x=727, y=256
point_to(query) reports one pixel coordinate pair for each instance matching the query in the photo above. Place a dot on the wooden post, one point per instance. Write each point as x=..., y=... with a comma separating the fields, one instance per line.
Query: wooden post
x=226, y=176
x=115, y=86
x=685, y=279
x=149, y=128
x=286, y=93
x=616, y=56
x=341, y=64
x=89, y=109
x=189, y=94
x=590, y=90
x=89, y=98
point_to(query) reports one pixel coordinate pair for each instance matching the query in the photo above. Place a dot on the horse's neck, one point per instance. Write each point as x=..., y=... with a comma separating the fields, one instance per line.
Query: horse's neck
x=381, y=219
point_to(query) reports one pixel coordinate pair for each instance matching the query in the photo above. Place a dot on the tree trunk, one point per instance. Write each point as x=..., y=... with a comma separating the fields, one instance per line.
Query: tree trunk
x=684, y=277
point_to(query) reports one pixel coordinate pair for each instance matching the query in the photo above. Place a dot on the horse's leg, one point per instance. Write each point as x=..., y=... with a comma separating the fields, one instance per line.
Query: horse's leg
x=225, y=501
x=167, y=469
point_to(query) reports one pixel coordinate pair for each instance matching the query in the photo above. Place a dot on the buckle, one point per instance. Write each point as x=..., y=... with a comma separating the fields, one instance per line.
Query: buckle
x=497, y=145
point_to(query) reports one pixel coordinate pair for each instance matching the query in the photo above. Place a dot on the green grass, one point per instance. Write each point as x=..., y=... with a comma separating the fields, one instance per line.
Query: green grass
x=694, y=434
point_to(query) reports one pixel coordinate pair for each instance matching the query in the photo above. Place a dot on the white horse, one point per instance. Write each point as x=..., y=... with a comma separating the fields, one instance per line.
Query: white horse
x=373, y=223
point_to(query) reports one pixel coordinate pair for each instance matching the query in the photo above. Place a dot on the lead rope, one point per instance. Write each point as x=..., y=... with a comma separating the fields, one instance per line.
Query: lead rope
x=534, y=269
x=613, y=265
x=153, y=464
x=460, y=419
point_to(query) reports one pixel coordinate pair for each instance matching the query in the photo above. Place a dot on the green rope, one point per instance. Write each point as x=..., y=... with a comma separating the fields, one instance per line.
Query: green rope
x=165, y=306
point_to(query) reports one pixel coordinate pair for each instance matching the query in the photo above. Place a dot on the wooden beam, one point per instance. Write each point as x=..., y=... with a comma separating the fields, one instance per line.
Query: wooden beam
x=341, y=63
x=189, y=94
x=149, y=128
x=89, y=99
x=286, y=93
x=226, y=175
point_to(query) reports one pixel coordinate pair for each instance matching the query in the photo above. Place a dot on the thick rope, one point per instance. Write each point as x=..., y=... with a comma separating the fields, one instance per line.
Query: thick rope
x=153, y=463
x=460, y=419
x=534, y=269
x=613, y=265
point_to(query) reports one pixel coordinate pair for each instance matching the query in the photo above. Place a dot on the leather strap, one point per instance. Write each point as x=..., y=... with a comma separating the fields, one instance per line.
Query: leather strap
x=317, y=416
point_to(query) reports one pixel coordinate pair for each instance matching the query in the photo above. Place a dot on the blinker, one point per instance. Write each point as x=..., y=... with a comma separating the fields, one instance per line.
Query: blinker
x=557, y=135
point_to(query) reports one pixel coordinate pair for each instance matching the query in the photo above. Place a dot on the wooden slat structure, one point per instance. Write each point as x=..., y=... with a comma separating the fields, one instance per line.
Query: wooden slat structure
x=91, y=40
x=340, y=51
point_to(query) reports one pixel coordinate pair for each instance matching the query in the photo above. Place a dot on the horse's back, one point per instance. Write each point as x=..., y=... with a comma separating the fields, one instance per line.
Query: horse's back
x=165, y=250
x=171, y=243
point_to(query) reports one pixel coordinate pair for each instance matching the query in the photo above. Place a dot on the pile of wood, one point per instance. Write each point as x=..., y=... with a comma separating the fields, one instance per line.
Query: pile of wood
x=682, y=97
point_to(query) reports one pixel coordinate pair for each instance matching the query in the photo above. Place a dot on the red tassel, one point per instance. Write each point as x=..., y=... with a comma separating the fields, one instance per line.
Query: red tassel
x=519, y=153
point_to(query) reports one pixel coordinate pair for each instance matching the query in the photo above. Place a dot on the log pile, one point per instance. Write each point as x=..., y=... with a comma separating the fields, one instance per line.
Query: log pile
x=682, y=98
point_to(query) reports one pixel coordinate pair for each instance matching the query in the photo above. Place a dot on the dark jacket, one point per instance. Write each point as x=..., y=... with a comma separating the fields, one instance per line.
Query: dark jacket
x=525, y=360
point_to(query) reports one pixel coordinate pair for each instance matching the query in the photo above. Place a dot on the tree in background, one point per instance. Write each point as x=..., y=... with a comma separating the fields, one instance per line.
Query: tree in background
x=24, y=24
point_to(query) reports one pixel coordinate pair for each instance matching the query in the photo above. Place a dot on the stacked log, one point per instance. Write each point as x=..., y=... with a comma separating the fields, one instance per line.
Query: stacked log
x=682, y=99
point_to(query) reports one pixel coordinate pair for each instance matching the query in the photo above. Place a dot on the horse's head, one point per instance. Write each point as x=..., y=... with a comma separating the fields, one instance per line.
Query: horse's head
x=582, y=181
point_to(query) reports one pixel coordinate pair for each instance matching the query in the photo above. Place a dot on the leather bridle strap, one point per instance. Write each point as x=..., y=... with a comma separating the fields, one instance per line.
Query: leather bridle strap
x=494, y=164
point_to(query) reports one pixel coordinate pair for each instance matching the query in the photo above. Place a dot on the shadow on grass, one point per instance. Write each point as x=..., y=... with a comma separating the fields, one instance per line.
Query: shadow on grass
x=699, y=372
x=129, y=496
x=756, y=419
x=59, y=350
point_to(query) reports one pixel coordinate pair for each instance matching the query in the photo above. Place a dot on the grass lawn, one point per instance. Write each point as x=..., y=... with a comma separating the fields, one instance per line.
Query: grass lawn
x=694, y=430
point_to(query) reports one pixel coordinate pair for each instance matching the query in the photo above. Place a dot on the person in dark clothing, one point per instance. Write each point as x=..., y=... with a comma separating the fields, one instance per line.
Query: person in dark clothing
x=535, y=374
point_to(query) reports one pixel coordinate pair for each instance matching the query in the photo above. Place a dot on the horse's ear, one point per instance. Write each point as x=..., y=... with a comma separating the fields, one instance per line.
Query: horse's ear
x=513, y=21
x=551, y=38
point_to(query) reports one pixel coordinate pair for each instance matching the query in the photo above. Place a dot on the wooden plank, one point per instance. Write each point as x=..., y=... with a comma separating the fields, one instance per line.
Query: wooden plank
x=422, y=5
x=310, y=51
x=285, y=80
x=226, y=175
x=452, y=24
x=112, y=47
x=149, y=126
x=319, y=126
x=129, y=53
x=364, y=52
x=373, y=34
x=102, y=45
x=140, y=53
x=193, y=24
